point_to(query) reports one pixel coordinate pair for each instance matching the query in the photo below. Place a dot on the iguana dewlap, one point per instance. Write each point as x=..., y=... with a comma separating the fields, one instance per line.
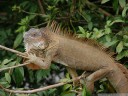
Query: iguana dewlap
x=55, y=46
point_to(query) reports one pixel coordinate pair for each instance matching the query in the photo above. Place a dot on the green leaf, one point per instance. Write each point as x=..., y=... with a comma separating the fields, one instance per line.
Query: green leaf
x=68, y=94
x=122, y=54
x=8, y=77
x=68, y=75
x=20, y=29
x=18, y=40
x=119, y=47
x=107, y=30
x=108, y=38
x=85, y=92
x=34, y=95
x=124, y=11
x=5, y=61
x=51, y=91
x=22, y=95
x=108, y=23
x=81, y=30
x=24, y=21
x=25, y=3
x=90, y=25
x=126, y=44
x=108, y=44
x=86, y=16
x=88, y=35
x=39, y=75
x=122, y=3
x=3, y=93
x=18, y=75
x=115, y=5
x=67, y=86
x=54, y=67
x=97, y=33
x=104, y=1
x=5, y=84
x=125, y=38
x=117, y=21
x=81, y=36
x=42, y=74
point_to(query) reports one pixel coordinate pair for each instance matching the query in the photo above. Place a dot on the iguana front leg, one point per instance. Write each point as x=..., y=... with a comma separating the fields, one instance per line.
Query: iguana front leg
x=73, y=74
x=45, y=62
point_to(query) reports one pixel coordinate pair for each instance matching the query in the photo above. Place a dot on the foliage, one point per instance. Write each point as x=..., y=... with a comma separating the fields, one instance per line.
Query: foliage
x=102, y=20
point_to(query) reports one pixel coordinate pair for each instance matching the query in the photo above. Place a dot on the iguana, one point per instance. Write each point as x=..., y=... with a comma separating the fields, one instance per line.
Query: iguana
x=53, y=44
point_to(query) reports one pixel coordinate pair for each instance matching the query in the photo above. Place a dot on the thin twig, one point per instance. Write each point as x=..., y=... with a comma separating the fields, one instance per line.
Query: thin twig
x=75, y=91
x=14, y=51
x=2, y=69
x=19, y=54
x=42, y=89
x=104, y=12
x=99, y=9
x=41, y=7
x=38, y=24
x=31, y=13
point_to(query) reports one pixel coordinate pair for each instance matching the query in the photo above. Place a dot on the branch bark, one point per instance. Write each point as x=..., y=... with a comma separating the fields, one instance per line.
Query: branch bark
x=13, y=66
x=99, y=9
x=41, y=7
x=13, y=51
x=44, y=88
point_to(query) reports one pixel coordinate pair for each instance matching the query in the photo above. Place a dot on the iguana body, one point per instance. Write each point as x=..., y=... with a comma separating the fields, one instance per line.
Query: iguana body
x=76, y=54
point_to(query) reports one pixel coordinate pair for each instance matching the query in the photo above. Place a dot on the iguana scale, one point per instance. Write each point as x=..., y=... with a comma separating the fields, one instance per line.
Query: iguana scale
x=52, y=44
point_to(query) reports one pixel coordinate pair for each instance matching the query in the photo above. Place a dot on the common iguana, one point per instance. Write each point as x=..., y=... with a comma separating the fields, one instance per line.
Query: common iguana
x=53, y=44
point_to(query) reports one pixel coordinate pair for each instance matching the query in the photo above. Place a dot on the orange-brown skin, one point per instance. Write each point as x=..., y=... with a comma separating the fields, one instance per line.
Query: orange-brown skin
x=33, y=66
x=75, y=55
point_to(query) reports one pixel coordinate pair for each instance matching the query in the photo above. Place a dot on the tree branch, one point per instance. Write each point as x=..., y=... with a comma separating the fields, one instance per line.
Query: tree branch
x=99, y=9
x=39, y=24
x=13, y=66
x=31, y=12
x=14, y=51
x=44, y=88
x=41, y=7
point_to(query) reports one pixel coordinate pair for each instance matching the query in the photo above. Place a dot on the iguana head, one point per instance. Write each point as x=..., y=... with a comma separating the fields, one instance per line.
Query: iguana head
x=35, y=39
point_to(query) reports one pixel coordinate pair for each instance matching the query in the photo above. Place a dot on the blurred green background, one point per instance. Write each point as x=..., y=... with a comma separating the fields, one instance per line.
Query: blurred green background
x=106, y=21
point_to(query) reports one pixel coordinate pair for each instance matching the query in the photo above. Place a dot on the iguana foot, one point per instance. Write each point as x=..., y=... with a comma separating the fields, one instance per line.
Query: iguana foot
x=89, y=86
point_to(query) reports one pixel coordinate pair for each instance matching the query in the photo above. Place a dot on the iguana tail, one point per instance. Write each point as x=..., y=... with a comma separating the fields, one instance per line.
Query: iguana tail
x=118, y=78
x=123, y=69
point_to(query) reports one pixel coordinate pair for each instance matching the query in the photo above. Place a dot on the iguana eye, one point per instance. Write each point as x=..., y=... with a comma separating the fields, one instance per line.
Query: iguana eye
x=34, y=34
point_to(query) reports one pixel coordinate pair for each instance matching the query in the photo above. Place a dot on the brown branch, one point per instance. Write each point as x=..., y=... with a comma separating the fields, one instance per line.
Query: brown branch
x=44, y=88
x=31, y=13
x=74, y=6
x=24, y=55
x=104, y=12
x=99, y=9
x=14, y=51
x=38, y=24
x=41, y=7
x=13, y=66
